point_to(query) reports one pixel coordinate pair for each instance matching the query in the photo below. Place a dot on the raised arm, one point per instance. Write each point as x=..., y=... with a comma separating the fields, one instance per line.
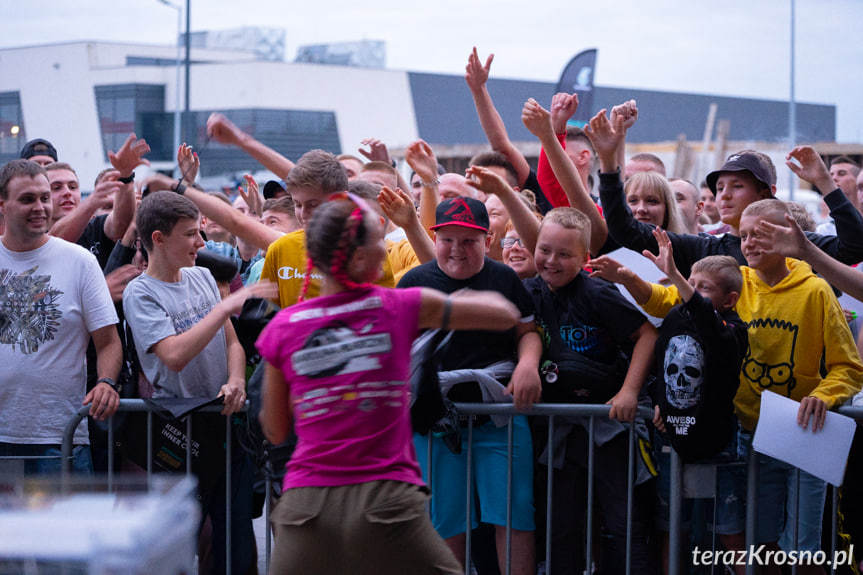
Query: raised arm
x=523, y=220
x=538, y=120
x=378, y=152
x=73, y=225
x=476, y=76
x=481, y=310
x=176, y=351
x=224, y=131
x=422, y=160
x=399, y=208
x=612, y=270
x=792, y=242
x=665, y=262
x=125, y=160
x=847, y=245
x=563, y=107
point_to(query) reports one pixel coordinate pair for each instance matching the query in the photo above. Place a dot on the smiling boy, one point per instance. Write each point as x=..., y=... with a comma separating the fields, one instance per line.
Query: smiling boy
x=591, y=318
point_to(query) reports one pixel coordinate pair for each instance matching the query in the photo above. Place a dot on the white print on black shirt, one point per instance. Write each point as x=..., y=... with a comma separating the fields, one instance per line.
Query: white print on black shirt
x=684, y=371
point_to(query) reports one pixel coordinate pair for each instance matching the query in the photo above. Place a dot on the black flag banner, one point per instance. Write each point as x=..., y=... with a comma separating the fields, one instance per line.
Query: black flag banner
x=578, y=77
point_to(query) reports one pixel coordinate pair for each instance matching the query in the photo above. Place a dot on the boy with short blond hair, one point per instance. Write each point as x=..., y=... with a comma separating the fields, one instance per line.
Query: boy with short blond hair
x=589, y=317
x=791, y=314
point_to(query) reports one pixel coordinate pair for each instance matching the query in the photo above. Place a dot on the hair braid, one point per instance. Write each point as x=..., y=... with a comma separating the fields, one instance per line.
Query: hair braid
x=345, y=248
x=309, y=267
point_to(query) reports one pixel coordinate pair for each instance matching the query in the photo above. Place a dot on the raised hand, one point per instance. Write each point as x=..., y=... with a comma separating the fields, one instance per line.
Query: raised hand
x=810, y=168
x=664, y=260
x=790, y=241
x=188, y=162
x=536, y=119
x=475, y=74
x=563, y=107
x=486, y=181
x=628, y=111
x=223, y=130
x=609, y=269
x=377, y=151
x=397, y=206
x=253, y=197
x=605, y=135
x=129, y=156
x=422, y=160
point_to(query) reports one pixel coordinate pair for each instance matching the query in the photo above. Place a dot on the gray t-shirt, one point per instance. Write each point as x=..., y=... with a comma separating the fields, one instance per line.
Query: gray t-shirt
x=155, y=310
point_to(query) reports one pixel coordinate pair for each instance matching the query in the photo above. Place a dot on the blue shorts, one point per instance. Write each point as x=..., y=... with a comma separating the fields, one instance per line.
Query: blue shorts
x=776, y=496
x=488, y=474
x=729, y=517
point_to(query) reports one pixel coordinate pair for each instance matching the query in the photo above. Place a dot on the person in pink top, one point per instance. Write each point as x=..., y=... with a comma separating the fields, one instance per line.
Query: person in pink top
x=337, y=368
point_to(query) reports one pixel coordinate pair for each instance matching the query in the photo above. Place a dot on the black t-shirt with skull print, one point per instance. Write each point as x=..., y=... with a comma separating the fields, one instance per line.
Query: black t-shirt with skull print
x=699, y=354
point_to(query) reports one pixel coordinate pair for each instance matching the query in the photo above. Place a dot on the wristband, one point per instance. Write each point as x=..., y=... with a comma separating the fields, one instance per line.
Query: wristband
x=432, y=184
x=128, y=179
x=447, y=310
x=179, y=187
x=111, y=383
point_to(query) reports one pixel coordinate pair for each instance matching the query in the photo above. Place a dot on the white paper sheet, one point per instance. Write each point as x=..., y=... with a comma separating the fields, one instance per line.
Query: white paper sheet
x=823, y=454
x=643, y=268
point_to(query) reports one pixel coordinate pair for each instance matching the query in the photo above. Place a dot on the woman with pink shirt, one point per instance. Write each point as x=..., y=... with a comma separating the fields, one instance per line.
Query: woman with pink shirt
x=337, y=369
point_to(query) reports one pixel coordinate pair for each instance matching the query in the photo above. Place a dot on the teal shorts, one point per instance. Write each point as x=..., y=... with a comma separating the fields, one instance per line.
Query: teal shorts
x=488, y=473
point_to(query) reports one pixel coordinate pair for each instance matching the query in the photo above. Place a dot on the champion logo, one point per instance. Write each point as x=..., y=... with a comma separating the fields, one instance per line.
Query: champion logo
x=461, y=212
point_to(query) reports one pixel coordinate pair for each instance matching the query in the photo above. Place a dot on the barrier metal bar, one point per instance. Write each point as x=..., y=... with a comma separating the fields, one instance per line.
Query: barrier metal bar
x=229, y=471
x=188, y=446
x=141, y=405
x=834, y=526
x=550, y=410
x=751, y=505
x=630, y=493
x=795, y=535
x=674, y=512
x=549, y=511
x=268, y=505
x=469, y=498
x=509, y=458
x=590, y=487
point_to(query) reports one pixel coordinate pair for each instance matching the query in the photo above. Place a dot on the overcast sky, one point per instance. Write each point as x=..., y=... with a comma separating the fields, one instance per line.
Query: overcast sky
x=735, y=48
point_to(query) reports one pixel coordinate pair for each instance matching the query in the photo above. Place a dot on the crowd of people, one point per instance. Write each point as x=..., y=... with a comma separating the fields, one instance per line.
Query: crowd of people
x=142, y=281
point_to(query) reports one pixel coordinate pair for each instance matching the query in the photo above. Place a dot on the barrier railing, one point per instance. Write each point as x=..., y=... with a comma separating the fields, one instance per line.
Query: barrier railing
x=141, y=405
x=554, y=412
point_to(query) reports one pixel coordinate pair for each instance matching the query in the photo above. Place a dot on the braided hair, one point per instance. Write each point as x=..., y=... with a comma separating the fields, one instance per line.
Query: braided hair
x=335, y=231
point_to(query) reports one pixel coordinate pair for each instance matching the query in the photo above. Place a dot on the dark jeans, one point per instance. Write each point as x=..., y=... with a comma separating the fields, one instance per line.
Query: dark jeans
x=81, y=461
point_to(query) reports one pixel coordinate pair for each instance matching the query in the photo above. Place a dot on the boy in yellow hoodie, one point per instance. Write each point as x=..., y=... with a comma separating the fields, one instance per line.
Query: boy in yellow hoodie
x=791, y=316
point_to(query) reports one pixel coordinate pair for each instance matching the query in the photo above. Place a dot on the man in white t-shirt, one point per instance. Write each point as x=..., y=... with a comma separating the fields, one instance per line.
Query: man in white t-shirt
x=53, y=299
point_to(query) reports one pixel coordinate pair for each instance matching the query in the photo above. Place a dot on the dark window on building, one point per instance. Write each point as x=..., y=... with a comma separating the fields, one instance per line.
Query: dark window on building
x=138, y=108
x=290, y=132
x=12, y=134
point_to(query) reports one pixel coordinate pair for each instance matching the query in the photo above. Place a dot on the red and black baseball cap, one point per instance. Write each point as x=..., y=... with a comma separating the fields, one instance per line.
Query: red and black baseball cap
x=461, y=211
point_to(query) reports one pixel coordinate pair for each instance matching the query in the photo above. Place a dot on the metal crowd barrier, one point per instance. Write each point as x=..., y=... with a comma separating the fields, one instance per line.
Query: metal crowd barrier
x=551, y=411
x=141, y=405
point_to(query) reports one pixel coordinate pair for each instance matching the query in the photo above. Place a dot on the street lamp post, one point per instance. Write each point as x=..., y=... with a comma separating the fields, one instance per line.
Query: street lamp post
x=179, y=85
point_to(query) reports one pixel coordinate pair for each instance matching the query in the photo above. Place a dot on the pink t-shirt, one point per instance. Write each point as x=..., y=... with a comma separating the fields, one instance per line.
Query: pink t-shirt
x=346, y=360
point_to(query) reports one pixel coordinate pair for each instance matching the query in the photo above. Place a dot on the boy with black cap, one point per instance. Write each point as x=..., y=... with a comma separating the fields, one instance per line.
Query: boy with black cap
x=744, y=178
x=40, y=151
x=500, y=365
